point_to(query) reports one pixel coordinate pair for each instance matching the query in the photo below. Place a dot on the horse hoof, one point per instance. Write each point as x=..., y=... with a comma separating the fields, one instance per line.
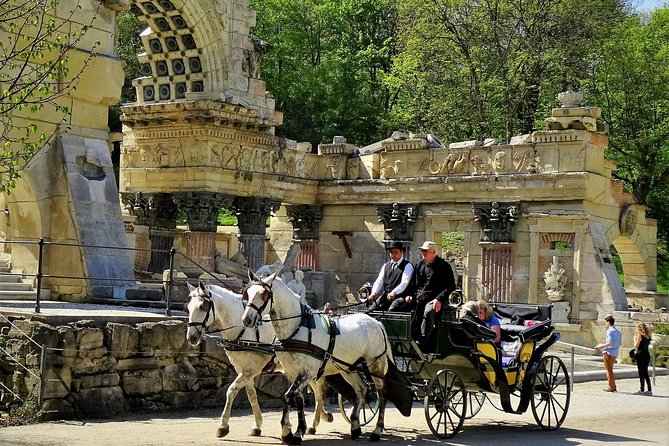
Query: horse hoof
x=296, y=440
x=374, y=437
x=355, y=433
x=328, y=417
x=311, y=431
x=222, y=431
x=255, y=432
x=288, y=439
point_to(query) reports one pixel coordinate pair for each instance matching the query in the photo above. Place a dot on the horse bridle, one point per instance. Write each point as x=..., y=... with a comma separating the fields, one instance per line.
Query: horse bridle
x=267, y=296
x=211, y=311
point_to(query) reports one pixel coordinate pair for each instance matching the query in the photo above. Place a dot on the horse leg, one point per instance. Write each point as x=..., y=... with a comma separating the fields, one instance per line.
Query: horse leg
x=253, y=400
x=319, y=394
x=359, y=388
x=294, y=396
x=241, y=380
x=383, y=398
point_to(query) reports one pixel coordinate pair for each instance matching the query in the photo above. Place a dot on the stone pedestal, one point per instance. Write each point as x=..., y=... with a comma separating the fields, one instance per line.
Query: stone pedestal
x=560, y=312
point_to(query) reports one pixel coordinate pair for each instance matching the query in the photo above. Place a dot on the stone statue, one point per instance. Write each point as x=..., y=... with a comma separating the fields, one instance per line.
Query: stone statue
x=555, y=279
x=297, y=286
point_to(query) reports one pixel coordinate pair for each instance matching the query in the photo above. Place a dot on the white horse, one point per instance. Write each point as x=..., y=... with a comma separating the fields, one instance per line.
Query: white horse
x=309, y=352
x=211, y=307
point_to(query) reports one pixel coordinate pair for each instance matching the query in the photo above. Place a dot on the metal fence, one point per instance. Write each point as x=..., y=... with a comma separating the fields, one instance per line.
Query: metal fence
x=41, y=274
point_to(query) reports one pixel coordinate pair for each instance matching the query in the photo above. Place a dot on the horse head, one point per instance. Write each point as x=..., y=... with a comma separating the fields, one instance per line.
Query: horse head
x=201, y=312
x=258, y=294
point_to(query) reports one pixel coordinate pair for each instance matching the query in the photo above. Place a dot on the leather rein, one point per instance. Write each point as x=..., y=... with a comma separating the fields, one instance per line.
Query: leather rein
x=294, y=345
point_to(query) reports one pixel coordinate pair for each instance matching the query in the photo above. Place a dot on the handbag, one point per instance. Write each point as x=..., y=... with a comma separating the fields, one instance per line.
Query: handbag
x=633, y=354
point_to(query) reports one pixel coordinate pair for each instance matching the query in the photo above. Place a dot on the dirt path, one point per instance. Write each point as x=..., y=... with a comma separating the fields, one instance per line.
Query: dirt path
x=595, y=417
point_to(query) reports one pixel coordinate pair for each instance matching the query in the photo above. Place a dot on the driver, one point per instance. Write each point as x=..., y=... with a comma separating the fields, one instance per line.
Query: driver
x=392, y=281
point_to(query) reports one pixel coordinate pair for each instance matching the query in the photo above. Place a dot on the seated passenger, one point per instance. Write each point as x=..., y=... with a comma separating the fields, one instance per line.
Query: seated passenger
x=488, y=317
x=471, y=312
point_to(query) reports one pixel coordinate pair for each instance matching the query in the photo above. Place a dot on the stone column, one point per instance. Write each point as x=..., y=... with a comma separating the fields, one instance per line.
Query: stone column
x=252, y=214
x=306, y=226
x=202, y=209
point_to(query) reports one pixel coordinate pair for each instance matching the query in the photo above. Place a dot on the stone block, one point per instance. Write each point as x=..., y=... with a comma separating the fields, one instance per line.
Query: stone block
x=179, y=377
x=88, y=366
x=99, y=380
x=182, y=399
x=89, y=338
x=102, y=402
x=57, y=383
x=136, y=364
x=141, y=382
x=151, y=335
x=121, y=339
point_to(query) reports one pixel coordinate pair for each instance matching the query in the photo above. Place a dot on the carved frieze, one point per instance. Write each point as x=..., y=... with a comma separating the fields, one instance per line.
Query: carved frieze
x=398, y=221
x=497, y=220
x=305, y=220
x=202, y=208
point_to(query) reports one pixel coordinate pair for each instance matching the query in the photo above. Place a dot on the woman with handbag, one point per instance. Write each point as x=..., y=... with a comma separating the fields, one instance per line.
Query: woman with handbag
x=642, y=356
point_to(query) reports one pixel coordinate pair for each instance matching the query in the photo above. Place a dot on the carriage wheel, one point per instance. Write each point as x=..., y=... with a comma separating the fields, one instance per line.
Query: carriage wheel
x=368, y=411
x=445, y=404
x=551, y=392
x=474, y=403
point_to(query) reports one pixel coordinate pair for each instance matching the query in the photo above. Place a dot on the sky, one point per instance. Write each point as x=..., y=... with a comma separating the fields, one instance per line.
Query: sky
x=649, y=5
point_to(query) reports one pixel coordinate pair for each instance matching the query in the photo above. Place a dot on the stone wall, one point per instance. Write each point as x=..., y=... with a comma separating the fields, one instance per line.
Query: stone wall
x=106, y=369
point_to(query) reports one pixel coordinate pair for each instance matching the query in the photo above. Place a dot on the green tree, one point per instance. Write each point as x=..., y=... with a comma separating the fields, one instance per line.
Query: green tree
x=35, y=46
x=630, y=81
x=470, y=69
x=327, y=65
x=128, y=45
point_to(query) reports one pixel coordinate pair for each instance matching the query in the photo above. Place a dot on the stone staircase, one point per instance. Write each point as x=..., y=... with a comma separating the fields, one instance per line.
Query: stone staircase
x=14, y=287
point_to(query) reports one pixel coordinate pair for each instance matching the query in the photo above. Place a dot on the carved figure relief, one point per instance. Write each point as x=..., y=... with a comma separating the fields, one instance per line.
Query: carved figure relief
x=353, y=168
x=480, y=164
x=179, y=157
x=520, y=160
x=335, y=169
x=628, y=221
x=555, y=279
x=499, y=162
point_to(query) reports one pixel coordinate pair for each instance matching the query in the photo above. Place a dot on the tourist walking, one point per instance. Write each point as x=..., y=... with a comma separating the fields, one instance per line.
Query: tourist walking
x=610, y=348
x=642, y=356
x=392, y=280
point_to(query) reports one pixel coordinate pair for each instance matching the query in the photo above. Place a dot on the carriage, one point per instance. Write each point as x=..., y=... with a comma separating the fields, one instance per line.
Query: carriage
x=463, y=367
x=362, y=353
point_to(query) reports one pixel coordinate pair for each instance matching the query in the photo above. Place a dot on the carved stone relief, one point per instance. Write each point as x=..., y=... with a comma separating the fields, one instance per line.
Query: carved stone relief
x=398, y=221
x=305, y=220
x=497, y=221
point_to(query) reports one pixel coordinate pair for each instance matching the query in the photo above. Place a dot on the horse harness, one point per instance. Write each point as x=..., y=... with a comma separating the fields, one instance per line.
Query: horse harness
x=307, y=317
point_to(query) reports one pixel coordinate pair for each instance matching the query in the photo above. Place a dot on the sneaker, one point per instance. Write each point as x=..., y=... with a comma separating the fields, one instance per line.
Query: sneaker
x=649, y=393
x=639, y=392
x=608, y=390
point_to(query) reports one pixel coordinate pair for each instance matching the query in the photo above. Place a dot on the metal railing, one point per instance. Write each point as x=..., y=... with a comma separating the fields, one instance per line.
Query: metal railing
x=40, y=275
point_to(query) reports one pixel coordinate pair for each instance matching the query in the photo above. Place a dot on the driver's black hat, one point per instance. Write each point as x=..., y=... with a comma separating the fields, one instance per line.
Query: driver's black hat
x=395, y=245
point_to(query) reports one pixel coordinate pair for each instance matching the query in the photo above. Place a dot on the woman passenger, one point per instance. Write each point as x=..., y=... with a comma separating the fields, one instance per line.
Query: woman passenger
x=488, y=317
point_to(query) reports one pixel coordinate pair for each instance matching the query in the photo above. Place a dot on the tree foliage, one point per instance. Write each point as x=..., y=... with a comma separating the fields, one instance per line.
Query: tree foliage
x=327, y=66
x=471, y=69
x=34, y=75
x=128, y=46
x=630, y=81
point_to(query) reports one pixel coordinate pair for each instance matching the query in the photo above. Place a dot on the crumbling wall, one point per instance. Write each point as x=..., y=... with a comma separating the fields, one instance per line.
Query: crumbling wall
x=85, y=369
